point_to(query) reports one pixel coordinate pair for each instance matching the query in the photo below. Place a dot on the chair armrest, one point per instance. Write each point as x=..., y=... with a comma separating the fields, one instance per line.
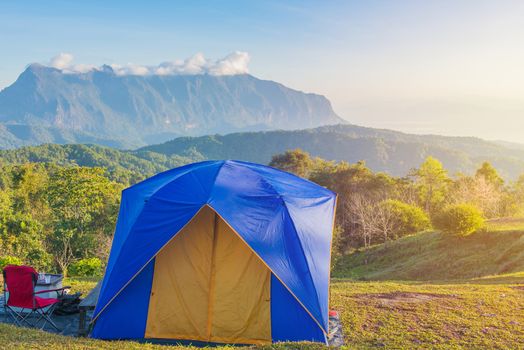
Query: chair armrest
x=52, y=290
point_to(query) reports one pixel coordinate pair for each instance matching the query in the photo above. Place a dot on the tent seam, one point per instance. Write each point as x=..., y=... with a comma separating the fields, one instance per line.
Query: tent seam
x=215, y=180
x=273, y=272
x=282, y=171
x=187, y=171
x=143, y=267
x=296, y=235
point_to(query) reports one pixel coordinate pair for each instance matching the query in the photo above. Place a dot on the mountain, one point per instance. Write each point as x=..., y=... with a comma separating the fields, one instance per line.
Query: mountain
x=47, y=105
x=382, y=150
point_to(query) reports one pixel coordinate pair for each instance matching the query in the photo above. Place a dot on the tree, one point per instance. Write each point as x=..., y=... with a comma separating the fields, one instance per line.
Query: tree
x=490, y=174
x=480, y=192
x=407, y=219
x=357, y=188
x=359, y=210
x=20, y=236
x=84, y=205
x=518, y=195
x=460, y=220
x=5, y=203
x=296, y=161
x=432, y=183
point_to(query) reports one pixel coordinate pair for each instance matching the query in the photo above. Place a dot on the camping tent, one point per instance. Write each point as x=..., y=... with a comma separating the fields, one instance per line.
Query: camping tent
x=219, y=251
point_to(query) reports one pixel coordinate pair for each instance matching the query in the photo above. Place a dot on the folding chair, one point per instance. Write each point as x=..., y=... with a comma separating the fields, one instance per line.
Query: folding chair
x=23, y=302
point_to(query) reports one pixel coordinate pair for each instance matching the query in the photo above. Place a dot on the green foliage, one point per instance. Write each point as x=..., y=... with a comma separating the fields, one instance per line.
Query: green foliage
x=432, y=182
x=52, y=215
x=9, y=260
x=490, y=174
x=54, y=212
x=21, y=236
x=89, y=267
x=84, y=206
x=409, y=219
x=296, y=161
x=126, y=167
x=459, y=220
x=5, y=203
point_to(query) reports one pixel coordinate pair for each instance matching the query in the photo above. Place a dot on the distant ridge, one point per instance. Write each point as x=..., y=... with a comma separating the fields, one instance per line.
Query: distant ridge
x=382, y=150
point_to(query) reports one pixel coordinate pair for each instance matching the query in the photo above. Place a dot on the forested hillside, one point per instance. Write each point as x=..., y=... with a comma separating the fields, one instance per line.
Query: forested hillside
x=58, y=204
x=126, y=167
x=383, y=150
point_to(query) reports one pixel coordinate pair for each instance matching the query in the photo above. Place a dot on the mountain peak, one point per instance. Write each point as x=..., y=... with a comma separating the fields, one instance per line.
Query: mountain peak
x=139, y=110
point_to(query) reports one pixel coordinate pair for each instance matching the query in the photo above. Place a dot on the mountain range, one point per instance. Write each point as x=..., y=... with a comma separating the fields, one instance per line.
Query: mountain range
x=169, y=120
x=383, y=150
x=48, y=105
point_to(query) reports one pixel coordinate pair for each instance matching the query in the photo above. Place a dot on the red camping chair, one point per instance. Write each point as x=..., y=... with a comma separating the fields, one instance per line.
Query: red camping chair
x=20, y=282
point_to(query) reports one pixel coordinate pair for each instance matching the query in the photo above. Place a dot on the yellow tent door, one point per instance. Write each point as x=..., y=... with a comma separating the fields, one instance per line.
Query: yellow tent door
x=208, y=285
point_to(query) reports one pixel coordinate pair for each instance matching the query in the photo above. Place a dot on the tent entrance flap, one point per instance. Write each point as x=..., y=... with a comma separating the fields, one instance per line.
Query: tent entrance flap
x=209, y=286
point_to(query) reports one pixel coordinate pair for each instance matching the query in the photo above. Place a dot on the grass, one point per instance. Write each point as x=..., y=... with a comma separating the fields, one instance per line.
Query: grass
x=426, y=291
x=505, y=224
x=407, y=315
x=435, y=256
x=81, y=284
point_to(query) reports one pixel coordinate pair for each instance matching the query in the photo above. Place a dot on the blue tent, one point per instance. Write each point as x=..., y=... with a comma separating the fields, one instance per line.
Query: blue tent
x=222, y=252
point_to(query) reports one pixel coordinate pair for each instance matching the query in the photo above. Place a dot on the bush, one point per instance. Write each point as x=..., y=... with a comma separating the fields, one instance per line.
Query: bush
x=459, y=219
x=86, y=268
x=9, y=260
x=409, y=218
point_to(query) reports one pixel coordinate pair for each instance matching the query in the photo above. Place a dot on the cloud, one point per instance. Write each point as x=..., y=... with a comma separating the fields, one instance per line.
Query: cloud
x=196, y=64
x=61, y=61
x=64, y=62
x=233, y=64
x=130, y=69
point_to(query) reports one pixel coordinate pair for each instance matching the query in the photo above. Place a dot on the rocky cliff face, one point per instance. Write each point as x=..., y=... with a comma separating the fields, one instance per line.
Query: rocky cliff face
x=48, y=105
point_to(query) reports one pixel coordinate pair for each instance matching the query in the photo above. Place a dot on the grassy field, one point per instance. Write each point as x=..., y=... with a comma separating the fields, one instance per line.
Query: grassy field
x=426, y=291
x=431, y=256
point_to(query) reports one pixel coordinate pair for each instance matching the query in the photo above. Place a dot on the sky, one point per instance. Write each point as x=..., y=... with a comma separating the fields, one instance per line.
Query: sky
x=443, y=66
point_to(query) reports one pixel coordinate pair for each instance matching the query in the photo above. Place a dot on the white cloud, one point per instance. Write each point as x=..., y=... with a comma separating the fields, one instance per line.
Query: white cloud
x=130, y=69
x=61, y=61
x=234, y=63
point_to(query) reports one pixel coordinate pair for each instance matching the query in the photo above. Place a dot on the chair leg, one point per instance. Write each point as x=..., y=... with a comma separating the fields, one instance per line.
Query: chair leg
x=25, y=319
x=19, y=317
x=45, y=315
x=16, y=318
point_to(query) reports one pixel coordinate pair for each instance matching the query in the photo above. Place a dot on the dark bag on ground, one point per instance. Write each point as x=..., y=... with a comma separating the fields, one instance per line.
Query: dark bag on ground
x=68, y=305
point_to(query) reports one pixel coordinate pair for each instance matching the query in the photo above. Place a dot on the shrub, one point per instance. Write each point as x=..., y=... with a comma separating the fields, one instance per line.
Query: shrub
x=86, y=268
x=409, y=218
x=459, y=219
x=9, y=260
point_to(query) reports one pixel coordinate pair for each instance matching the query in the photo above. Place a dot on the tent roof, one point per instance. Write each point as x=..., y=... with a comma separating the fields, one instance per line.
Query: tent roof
x=286, y=220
